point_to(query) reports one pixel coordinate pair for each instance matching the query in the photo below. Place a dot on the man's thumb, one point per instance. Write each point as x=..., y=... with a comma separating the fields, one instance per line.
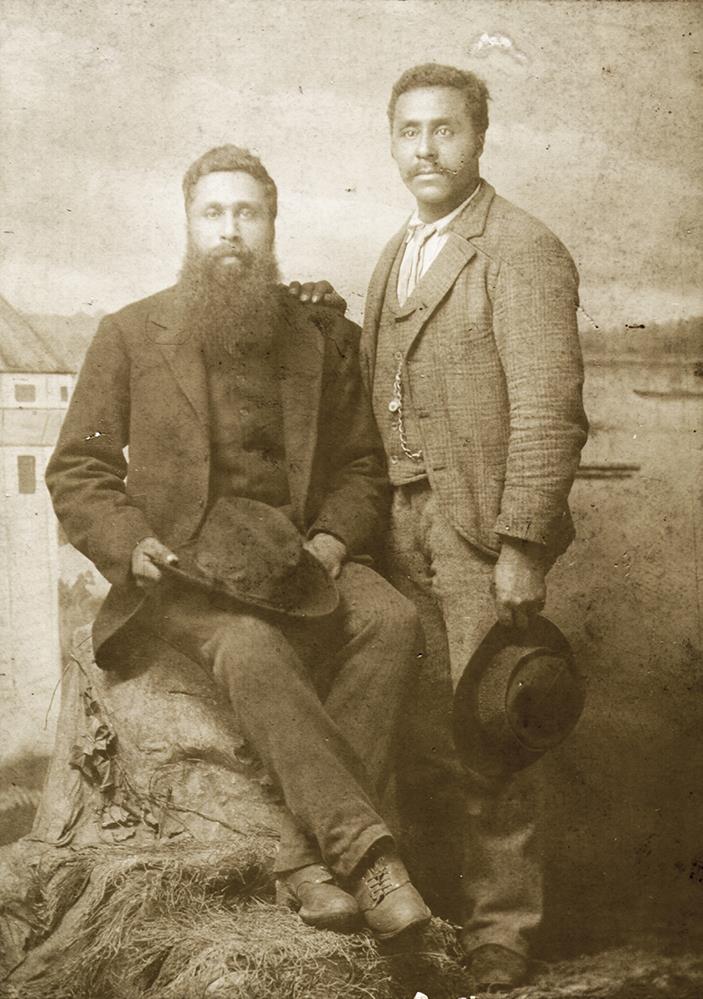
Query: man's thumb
x=160, y=553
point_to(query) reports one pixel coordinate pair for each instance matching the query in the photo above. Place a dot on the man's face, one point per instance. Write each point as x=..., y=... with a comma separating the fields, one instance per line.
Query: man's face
x=436, y=148
x=229, y=222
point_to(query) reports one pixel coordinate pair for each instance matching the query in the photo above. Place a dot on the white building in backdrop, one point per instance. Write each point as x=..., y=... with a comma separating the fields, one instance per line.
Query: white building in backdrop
x=35, y=387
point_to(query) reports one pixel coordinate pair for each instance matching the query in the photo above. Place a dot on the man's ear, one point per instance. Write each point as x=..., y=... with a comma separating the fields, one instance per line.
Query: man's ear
x=481, y=141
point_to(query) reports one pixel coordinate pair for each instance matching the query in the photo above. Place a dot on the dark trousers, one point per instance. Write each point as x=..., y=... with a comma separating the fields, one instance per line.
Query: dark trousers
x=319, y=701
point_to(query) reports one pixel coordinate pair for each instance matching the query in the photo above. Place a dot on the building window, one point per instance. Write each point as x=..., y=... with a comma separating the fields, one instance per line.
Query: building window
x=25, y=393
x=64, y=393
x=26, y=473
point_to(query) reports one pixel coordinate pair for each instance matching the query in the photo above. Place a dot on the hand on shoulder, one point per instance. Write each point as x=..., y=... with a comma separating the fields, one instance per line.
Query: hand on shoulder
x=318, y=293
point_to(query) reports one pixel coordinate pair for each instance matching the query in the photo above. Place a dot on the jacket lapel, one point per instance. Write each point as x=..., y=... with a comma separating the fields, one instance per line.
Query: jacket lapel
x=436, y=283
x=164, y=327
x=302, y=358
x=374, y=304
x=302, y=355
x=454, y=256
x=472, y=221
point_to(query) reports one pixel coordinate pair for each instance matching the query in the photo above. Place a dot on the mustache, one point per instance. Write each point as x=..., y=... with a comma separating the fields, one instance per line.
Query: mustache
x=234, y=249
x=436, y=168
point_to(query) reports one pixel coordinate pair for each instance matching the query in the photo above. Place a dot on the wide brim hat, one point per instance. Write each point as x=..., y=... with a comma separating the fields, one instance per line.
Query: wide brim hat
x=519, y=696
x=252, y=553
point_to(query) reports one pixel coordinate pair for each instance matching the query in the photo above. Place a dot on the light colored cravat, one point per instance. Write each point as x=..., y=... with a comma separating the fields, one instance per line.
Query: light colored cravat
x=411, y=268
x=423, y=243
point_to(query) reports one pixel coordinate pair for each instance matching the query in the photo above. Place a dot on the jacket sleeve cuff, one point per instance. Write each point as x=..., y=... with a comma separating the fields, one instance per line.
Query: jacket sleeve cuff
x=315, y=529
x=114, y=558
x=540, y=530
x=324, y=525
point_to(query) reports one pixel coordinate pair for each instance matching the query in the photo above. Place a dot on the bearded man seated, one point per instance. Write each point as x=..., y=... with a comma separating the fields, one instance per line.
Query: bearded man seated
x=240, y=530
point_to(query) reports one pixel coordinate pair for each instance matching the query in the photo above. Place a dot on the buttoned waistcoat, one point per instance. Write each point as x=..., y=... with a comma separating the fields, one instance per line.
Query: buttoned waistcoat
x=143, y=387
x=501, y=418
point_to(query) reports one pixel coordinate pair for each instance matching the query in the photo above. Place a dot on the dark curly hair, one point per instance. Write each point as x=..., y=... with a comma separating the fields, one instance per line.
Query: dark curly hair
x=432, y=74
x=230, y=159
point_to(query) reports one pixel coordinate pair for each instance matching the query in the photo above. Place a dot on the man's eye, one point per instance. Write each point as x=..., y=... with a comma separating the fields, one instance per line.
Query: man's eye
x=247, y=213
x=409, y=133
x=212, y=213
x=444, y=131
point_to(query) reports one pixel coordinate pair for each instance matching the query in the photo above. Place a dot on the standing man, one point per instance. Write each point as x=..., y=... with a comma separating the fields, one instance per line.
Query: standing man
x=473, y=362
x=254, y=465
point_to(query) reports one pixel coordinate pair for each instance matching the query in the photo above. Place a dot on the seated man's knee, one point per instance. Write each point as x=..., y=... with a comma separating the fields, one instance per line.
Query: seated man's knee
x=244, y=643
x=375, y=604
x=401, y=617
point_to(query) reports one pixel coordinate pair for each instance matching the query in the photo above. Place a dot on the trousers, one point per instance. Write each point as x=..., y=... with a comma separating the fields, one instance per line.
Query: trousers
x=449, y=581
x=318, y=700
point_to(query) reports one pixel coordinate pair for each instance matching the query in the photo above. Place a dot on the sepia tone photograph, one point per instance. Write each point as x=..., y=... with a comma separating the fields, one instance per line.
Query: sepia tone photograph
x=351, y=481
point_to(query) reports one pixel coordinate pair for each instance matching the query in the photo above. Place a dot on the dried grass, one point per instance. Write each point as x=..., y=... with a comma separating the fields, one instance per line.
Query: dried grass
x=180, y=924
x=190, y=923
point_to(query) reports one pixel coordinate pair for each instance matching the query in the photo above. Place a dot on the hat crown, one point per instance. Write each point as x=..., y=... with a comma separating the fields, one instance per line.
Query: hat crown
x=246, y=541
x=542, y=701
x=252, y=553
x=519, y=696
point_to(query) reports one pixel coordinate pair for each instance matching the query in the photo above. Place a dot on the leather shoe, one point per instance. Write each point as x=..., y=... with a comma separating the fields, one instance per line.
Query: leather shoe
x=389, y=902
x=495, y=968
x=312, y=892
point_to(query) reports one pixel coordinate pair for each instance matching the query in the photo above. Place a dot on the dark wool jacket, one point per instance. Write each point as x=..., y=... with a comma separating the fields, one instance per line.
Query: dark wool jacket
x=143, y=386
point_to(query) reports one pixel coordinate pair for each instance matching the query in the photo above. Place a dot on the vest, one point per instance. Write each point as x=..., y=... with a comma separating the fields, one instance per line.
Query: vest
x=246, y=428
x=394, y=339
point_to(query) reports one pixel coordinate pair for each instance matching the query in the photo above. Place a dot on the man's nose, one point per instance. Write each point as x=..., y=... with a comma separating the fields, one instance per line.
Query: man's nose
x=230, y=226
x=426, y=149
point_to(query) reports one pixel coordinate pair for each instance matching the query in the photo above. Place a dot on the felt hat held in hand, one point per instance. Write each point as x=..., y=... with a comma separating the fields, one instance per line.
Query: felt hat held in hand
x=251, y=552
x=519, y=696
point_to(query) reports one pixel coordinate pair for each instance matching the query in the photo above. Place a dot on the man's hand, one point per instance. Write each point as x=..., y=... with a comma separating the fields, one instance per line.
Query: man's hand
x=520, y=590
x=148, y=554
x=318, y=292
x=329, y=551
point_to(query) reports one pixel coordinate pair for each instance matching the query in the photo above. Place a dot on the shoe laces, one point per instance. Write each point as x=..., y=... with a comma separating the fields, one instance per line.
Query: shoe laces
x=378, y=880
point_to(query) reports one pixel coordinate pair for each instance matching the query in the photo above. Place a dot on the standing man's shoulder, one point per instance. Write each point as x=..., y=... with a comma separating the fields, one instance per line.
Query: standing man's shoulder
x=511, y=233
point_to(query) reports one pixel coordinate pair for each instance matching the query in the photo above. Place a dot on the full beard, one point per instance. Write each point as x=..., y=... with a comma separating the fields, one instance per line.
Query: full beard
x=231, y=308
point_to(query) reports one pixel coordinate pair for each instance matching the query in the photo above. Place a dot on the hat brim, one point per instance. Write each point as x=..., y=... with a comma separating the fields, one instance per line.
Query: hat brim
x=493, y=756
x=309, y=592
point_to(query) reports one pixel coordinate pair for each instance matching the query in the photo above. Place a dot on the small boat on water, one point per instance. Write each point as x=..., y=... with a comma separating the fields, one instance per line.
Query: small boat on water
x=673, y=394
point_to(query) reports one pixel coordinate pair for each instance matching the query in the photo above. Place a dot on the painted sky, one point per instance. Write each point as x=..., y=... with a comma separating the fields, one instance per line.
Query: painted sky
x=595, y=127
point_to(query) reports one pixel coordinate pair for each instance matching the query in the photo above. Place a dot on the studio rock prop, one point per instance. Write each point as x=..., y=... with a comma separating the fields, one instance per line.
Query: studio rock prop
x=147, y=873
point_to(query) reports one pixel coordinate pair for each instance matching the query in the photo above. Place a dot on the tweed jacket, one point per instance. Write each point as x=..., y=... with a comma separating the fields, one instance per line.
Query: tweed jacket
x=499, y=303
x=143, y=386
